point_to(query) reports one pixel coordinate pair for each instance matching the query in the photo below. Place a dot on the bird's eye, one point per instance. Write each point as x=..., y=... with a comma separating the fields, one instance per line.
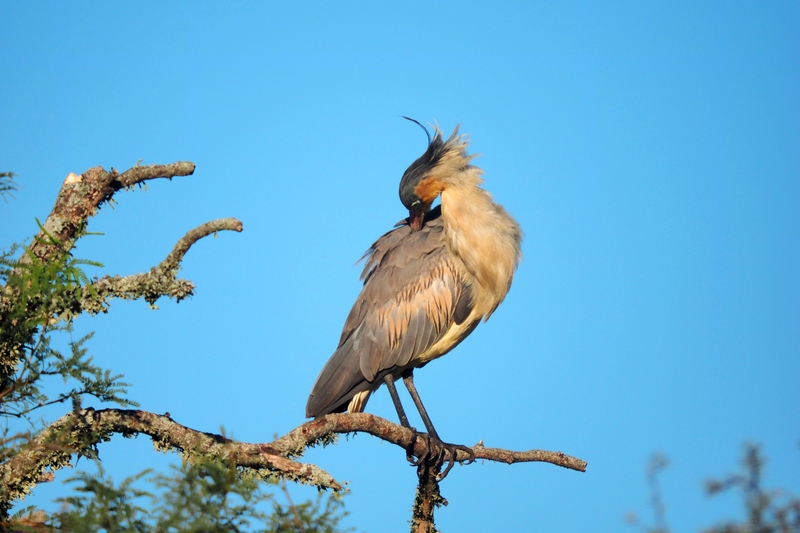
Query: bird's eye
x=415, y=202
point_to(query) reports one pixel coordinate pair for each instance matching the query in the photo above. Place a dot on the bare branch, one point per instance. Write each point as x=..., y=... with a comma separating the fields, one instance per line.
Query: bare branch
x=320, y=430
x=139, y=174
x=427, y=498
x=531, y=456
x=79, y=199
x=161, y=280
x=182, y=246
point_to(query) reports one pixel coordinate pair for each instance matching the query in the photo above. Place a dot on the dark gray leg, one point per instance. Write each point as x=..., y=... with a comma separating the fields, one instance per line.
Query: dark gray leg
x=408, y=379
x=447, y=448
x=401, y=413
x=396, y=400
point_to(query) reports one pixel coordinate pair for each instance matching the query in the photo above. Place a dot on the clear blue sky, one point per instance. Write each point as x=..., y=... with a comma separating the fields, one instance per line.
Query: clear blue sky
x=650, y=151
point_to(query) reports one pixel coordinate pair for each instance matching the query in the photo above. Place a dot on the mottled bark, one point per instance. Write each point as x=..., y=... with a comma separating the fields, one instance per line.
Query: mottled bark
x=427, y=497
x=79, y=198
x=79, y=433
x=82, y=195
x=317, y=430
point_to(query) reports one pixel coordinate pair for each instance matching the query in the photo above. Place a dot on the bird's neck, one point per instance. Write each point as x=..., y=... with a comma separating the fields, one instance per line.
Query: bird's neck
x=484, y=236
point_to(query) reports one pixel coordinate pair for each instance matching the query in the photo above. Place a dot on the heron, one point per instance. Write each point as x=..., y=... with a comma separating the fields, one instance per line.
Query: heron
x=428, y=283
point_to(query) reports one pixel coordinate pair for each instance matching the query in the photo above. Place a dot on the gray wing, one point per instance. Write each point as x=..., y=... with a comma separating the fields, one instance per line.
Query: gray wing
x=414, y=291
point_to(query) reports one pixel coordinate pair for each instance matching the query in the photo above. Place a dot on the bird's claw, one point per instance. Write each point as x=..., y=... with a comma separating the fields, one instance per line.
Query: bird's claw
x=438, y=453
x=451, y=450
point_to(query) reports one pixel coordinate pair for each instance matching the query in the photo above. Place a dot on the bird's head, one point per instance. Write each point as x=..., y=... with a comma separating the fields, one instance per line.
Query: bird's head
x=432, y=173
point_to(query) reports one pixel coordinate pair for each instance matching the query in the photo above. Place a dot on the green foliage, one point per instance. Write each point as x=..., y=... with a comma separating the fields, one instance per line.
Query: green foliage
x=41, y=292
x=98, y=505
x=25, y=392
x=207, y=497
x=322, y=515
x=7, y=184
x=41, y=298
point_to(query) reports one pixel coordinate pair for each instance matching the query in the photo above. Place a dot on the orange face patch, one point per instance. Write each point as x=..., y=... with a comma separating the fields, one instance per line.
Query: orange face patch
x=428, y=189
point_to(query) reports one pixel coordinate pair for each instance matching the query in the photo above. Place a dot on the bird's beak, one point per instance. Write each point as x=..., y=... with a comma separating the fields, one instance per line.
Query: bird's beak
x=415, y=216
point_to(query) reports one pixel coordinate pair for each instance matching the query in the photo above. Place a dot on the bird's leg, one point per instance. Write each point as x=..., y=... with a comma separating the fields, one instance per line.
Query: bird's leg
x=396, y=400
x=401, y=413
x=408, y=379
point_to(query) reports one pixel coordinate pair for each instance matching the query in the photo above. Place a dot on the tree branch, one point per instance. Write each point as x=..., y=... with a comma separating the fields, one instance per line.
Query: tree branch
x=321, y=429
x=427, y=497
x=80, y=432
x=81, y=196
x=139, y=174
x=161, y=280
x=79, y=199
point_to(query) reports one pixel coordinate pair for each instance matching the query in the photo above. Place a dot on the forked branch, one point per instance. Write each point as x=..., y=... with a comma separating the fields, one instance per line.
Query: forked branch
x=82, y=195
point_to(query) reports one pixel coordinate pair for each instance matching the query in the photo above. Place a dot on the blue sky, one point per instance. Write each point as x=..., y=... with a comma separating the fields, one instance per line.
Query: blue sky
x=650, y=151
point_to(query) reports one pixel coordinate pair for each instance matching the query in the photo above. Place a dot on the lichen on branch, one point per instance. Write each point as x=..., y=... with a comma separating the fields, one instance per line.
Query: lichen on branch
x=80, y=432
x=81, y=196
x=161, y=280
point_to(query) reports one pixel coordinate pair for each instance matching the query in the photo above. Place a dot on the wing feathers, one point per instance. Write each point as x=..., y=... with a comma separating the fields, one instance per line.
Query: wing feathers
x=337, y=383
x=414, y=292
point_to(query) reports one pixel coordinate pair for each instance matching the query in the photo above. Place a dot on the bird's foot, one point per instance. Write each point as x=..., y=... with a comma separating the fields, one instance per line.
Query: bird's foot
x=448, y=453
x=438, y=453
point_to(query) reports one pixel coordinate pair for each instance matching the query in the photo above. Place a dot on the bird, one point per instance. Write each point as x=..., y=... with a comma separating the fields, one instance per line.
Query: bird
x=427, y=283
